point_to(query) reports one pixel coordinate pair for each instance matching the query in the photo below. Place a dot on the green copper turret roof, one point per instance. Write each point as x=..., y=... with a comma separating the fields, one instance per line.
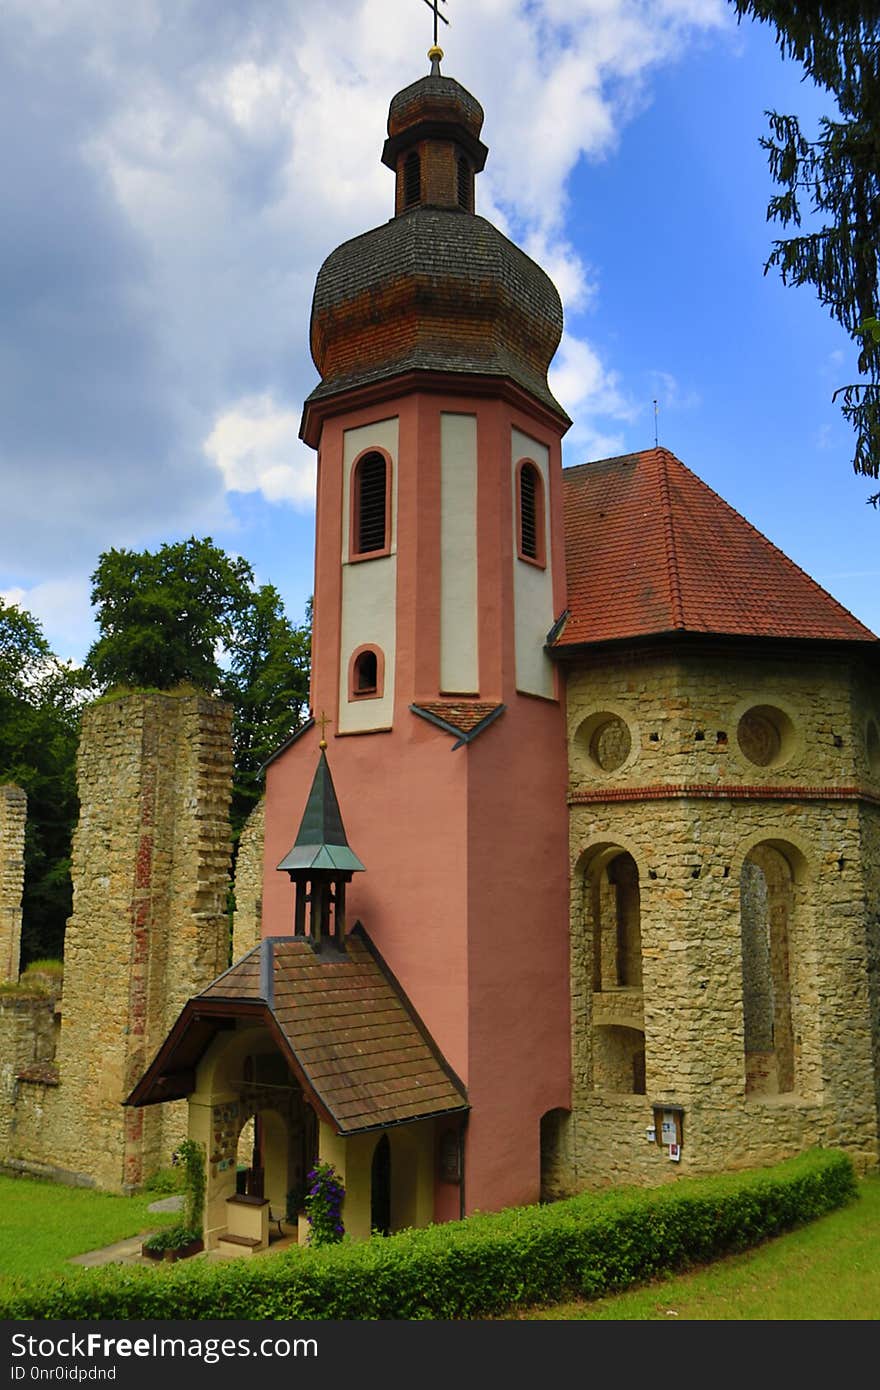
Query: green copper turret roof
x=322, y=842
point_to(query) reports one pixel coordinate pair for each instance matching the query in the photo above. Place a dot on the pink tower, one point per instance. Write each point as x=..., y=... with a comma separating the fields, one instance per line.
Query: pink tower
x=439, y=572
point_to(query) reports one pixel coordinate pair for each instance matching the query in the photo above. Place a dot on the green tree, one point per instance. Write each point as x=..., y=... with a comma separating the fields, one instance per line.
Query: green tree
x=40, y=702
x=834, y=179
x=165, y=616
x=268, y=684
x=189, y=613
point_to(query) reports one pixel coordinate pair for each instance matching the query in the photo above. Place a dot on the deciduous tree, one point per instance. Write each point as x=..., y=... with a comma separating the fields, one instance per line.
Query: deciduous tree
x=190, y=613
x=40, y=702
x=834, y=179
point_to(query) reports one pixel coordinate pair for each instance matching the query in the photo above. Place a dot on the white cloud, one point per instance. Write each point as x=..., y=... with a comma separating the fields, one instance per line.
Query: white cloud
x=581, y=383
x=589, y=392
x=63, y=609
x=180, y=173
x=257, y=448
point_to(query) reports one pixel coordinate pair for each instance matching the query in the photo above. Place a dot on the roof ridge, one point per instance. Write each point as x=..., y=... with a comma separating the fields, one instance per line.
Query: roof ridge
x=791, y=564
x=673, y=573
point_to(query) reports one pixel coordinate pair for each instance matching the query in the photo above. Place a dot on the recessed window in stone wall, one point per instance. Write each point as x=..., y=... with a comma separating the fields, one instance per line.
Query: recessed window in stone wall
x=615, y=909
x=619, y=1060
x=610, y=743
x=873, y=742
x=766, y=910
x=765, y=735
x=613, y=918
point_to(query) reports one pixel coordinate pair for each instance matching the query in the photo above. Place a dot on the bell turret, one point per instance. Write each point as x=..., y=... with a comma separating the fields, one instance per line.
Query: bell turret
x=320, y=864
x=437, y=288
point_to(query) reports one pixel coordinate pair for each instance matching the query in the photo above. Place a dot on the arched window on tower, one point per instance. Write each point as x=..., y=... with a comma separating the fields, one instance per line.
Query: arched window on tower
x=369, y=529
x=412, y=180
x=366, y=674
x=465, y=184
x=530, y=509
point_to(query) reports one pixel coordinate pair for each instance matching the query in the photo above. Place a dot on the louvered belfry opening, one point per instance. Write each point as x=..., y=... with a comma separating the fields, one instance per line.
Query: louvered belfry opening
x=370, y=501
x=465, y=184
x=412, y=180
x=528, y=510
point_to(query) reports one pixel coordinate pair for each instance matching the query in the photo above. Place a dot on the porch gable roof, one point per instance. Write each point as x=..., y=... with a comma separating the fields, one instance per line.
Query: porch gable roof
x=343, y=1023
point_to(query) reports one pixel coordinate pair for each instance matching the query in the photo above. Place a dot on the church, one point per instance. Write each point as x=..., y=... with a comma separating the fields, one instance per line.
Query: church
x=573, y=877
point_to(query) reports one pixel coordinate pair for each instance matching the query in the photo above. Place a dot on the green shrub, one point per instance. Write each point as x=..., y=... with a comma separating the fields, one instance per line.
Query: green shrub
x=175, y=1237
x=484, y=1265
x=47, y=966
x=166, y=1183
x=192, y=1156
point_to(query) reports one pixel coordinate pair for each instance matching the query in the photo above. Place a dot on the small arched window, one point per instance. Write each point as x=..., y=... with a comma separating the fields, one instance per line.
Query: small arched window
x=530, y=507
x=369, y=533
x=465, y=184
x=366, y=675
x=412, y=180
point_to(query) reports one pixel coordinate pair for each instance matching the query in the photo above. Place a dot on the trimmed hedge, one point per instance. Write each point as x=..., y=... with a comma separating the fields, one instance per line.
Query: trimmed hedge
x=586, y=1245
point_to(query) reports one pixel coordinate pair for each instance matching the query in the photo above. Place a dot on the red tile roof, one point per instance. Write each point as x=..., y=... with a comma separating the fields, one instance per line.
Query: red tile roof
x=651, y=549
x=346, y=1028
x=462, y=715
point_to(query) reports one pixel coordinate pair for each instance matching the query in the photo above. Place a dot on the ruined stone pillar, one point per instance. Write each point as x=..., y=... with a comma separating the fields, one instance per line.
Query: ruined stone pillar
x=13, y=814
x=149, y=925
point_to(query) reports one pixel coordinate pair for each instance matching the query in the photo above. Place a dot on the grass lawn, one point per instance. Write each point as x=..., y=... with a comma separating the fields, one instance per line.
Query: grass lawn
x=829, y=1270
x=43, y=1223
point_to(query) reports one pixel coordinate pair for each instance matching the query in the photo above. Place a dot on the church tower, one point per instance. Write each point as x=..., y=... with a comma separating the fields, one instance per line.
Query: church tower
x=439, y=574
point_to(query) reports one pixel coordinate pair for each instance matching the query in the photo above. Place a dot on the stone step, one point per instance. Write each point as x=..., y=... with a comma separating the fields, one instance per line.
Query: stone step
x=239, y=1246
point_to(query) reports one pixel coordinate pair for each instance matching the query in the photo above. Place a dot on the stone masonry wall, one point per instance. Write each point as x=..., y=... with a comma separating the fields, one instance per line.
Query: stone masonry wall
x=13, y=814
x=247, y=923
x=28, y=1039
x=683, y=794
x=148, y=930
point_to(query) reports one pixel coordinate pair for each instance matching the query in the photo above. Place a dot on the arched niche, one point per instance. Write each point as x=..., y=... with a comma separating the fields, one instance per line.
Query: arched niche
x=771, y=880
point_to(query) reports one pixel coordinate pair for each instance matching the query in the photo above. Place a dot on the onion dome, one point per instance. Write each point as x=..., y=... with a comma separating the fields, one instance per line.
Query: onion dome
x=437, y=288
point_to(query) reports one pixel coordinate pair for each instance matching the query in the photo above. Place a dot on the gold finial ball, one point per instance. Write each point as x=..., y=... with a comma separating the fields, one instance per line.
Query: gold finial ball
x=435, y=53
x=323, y=744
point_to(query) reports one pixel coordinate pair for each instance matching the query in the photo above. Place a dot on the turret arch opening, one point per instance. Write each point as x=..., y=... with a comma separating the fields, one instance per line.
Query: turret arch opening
x=465, y=184
x=412, y=180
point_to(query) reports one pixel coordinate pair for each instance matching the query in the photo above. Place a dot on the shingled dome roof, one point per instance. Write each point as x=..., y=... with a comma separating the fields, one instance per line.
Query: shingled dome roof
x=436, y=289
x=431, y=98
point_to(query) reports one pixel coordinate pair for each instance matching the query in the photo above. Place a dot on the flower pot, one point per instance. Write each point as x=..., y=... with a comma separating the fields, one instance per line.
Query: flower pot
x=183, y=1252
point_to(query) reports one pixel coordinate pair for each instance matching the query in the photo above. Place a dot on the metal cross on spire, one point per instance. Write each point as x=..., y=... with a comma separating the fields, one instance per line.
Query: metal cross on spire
x=438, y=15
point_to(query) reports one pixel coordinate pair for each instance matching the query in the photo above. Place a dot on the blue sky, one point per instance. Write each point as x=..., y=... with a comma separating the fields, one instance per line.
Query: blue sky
x=176, y=173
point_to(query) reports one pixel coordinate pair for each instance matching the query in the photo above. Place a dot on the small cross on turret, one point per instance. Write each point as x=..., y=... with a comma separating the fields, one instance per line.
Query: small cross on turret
x=323, y=721
x=438, y=17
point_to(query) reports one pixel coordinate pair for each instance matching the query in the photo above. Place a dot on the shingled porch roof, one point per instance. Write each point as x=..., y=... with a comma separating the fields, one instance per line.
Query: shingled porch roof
x=342, y=1022
x=651, y=550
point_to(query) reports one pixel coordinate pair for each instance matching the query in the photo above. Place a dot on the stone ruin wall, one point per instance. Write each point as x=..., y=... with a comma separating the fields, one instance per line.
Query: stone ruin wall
x=149, y=929
x=13, y=814
x=682, y=719
x=247, y=926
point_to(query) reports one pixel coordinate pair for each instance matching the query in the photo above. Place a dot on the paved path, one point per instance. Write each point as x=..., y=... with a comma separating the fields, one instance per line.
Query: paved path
x=128, y=1252
x=123, y=1252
